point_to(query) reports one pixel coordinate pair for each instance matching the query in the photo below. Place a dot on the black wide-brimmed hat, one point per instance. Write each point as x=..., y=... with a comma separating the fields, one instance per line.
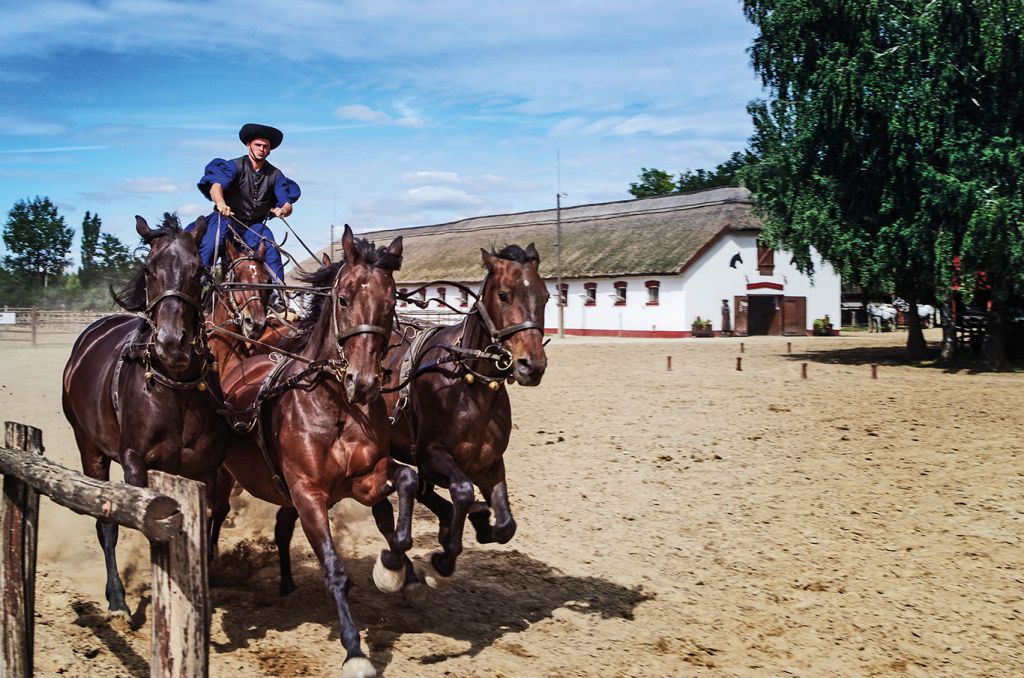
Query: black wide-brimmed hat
x=252, y=131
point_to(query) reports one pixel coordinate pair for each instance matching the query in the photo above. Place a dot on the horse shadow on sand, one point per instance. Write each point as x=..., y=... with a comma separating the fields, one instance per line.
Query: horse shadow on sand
x=494, y=593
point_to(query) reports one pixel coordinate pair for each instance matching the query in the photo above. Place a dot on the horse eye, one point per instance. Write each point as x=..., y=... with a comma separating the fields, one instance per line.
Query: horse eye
x=343, y=302
x=503, y=296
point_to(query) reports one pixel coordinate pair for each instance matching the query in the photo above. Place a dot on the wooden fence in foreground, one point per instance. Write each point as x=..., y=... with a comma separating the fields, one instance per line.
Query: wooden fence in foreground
x=172, y=515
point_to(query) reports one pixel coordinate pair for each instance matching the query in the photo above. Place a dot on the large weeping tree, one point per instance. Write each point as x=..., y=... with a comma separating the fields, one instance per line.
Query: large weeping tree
x=887, y=144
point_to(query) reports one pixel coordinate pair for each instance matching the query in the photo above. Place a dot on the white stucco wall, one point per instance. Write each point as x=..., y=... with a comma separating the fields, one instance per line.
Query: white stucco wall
x=710, y=280
x=698, y=291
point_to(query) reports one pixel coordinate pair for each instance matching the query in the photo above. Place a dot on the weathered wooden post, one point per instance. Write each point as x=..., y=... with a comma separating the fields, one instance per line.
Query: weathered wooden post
x=35, y=321
x=668, y=363
x=789, y=347
x=181, y=602
x=20, y=526
x=741, y=347
x=739, y=364
x=803, y=370
x=874, y=371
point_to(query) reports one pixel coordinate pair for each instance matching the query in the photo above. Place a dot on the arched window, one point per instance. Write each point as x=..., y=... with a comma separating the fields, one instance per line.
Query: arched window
x=653, y=292
x=620, y=293
x=590, y=294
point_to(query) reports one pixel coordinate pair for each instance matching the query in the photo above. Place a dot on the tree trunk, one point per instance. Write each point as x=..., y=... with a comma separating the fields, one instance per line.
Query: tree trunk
x=948, y=353
x=993, y=348
x=917, y=349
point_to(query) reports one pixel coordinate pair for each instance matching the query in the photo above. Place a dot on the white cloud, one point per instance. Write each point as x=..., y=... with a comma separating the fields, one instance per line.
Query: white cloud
x=431, y=177
x=439, y=197
x=361, y=113
x=152, y=185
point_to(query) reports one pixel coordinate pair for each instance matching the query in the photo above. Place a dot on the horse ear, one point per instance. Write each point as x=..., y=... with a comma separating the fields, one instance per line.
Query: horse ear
x=488, y=259
x=348, y=244
x=532, y=254
x=230, y=248
x=200, y=230
x=141, y=227
x=261, y=250
x=395, y=247
x=325, y=260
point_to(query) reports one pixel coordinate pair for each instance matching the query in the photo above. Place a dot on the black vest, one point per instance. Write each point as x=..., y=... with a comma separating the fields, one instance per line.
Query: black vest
x=251, y=194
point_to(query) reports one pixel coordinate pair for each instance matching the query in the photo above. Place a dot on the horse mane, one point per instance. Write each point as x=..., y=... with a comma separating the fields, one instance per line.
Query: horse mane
x=132, y=296
x=373, y=256
x=513, y=253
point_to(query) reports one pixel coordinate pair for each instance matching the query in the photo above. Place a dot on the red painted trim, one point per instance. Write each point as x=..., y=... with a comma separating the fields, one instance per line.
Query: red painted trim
x=764, y=286
x=637, y=334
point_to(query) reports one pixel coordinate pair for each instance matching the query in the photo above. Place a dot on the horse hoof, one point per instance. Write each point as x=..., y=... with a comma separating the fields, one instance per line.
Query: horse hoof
x=358, y=667
x=415, y=592
x=388, y=581
x=432, y=578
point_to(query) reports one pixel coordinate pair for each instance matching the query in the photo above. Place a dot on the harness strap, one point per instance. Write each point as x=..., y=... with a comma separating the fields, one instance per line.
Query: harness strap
x=496, y=334
x=189, y=299
x=116, y=381
x=413, y=356
x=275, y=473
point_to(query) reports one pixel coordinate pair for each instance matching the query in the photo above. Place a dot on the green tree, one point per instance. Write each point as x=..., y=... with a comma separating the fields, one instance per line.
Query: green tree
x=38, y=239
x=91, y=225
x=113, y=257
x=726, y=174
x=875, y=149
x=652, y=182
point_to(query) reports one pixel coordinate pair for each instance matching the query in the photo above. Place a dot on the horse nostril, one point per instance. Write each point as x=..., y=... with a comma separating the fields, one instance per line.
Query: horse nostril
x=524, y=364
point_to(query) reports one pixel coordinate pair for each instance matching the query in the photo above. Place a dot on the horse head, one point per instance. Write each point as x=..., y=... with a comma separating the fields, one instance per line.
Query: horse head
x=511, y=304
x=171, y=276
x=247, y=296
x=363, y=307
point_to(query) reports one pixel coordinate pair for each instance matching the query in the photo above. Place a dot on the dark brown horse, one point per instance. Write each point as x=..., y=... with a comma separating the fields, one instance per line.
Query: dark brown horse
x=136, y=387
x=320, y=428
x=238, y=308
x=455, y=423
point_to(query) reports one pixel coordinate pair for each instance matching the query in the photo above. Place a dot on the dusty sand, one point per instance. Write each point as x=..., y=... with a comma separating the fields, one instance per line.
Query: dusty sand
x=703, y=521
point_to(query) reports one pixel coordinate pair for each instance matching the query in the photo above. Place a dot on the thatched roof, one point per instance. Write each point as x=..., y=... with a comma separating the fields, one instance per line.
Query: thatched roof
x=649, y=236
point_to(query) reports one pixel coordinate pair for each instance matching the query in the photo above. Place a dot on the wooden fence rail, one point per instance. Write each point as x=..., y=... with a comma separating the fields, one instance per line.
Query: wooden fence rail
x=25, y=324
x=172, y=515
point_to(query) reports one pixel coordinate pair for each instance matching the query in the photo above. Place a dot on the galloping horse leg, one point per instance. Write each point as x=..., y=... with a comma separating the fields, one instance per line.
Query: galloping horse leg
x=107, y=532
x=493, y=486
x=96, y=465
x=284, y=527
x=440, y=507
x=220, y=505
x=441, y=463
x=311, y=505
x=390, y=573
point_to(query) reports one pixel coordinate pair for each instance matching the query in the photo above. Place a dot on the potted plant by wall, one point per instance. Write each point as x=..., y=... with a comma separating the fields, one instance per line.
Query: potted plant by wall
x=822, y=327
x=701, y=328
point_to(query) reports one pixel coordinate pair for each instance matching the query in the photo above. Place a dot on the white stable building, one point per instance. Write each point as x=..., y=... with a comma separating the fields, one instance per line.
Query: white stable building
x=638, y=268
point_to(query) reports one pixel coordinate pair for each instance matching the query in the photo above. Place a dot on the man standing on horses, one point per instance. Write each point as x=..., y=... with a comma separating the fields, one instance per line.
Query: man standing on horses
x=245, y=191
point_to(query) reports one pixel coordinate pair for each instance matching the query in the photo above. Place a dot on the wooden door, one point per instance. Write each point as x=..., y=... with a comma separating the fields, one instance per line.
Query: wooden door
x=794, y=316
x=740, y=316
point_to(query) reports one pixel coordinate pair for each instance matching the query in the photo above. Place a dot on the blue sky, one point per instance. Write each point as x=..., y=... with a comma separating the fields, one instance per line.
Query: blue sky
x=395, y=113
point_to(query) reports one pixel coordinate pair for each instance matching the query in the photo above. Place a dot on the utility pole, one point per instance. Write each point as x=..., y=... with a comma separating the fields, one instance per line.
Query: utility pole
x=558, y=264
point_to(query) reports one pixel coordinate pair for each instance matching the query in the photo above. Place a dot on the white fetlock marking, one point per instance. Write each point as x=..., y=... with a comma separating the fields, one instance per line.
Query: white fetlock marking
x=434, y=579
x=388, y=581
x=358, y=667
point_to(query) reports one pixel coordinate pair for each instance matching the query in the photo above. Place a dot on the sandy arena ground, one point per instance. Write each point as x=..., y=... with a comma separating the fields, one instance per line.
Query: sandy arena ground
x=702, y=521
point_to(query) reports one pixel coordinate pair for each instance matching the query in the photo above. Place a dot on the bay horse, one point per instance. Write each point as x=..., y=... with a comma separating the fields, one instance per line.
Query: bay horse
x=455, y=424
x=136, y=388
x=236, y=313
x=319, y=430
